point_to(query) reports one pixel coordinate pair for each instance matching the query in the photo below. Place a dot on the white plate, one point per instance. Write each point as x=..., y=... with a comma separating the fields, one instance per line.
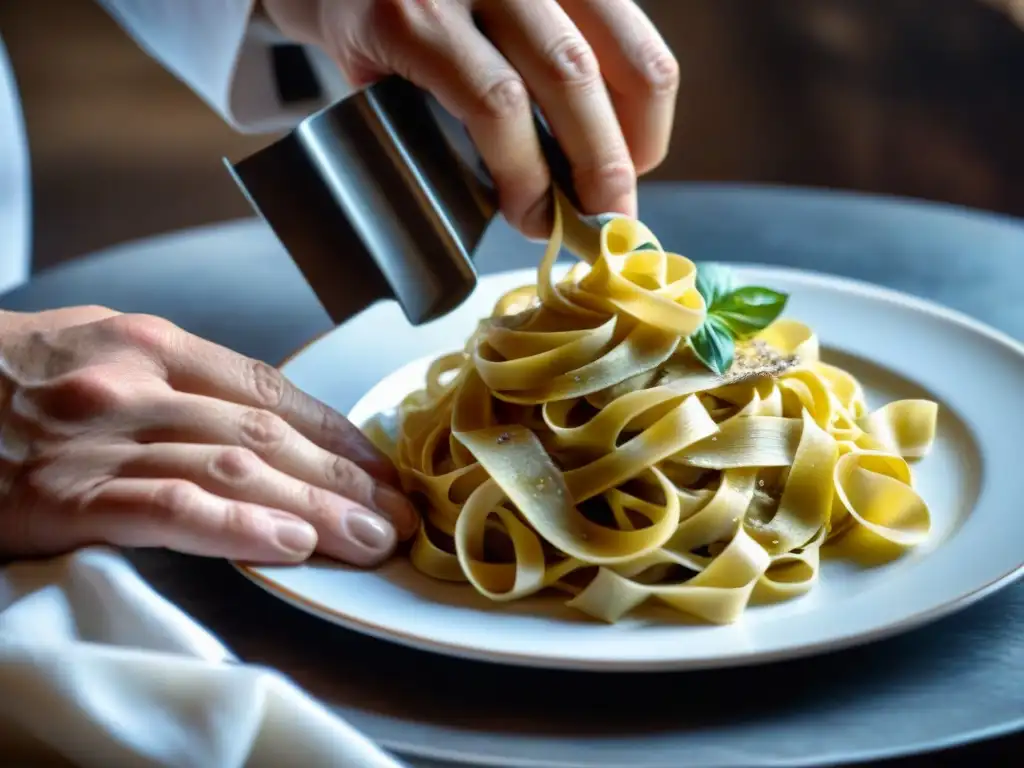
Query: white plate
x=898, y=347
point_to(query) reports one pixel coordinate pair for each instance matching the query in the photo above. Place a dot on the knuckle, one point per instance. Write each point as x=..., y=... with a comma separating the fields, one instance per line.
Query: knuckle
x=39, y=338
x=404, y=18
x=239, y=521
x=317, y=503
x=85, y=394
x=175, y=498
x=332, y=428
x=96, y=312
x=234, y=465
x=146, y=332
x=48, y=355
x=659, y=70
x=615, y=177
x=505, y=98
x=266, y=383
x=572, y=62
x=396, y=10
x=262, y=430
x=349, y=479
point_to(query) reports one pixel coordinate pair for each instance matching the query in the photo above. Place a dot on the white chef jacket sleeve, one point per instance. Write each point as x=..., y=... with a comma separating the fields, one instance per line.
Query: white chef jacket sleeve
x=226, y=56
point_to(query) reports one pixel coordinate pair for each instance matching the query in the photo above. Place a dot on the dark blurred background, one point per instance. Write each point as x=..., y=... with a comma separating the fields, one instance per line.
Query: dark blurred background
x=911, y=97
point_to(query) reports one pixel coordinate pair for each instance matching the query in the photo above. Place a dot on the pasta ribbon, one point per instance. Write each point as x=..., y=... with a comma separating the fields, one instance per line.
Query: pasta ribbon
x=578, y=445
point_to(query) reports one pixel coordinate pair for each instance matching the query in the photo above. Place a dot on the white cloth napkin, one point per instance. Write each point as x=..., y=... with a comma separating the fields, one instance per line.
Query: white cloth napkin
x=97, y=669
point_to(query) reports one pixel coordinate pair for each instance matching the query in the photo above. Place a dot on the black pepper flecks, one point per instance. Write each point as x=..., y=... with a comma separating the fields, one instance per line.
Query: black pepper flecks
x=757, y=358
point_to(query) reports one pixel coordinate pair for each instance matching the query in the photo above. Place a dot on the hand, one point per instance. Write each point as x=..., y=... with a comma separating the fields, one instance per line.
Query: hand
x=599, y=70
x=125, y=429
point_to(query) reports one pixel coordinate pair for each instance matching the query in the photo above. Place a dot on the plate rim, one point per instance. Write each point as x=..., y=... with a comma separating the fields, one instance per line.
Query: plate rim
x=845, y=758
x=826, y=280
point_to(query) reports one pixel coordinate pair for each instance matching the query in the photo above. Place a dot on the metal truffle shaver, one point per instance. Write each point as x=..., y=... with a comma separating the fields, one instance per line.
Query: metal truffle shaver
x=383, y=196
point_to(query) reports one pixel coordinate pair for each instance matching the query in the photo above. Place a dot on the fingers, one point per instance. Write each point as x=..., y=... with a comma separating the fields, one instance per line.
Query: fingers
x=196, y=419
x=563, y=54
x=561, y=70
x=198, y=366
x=640, y=70
x=437, y=46
x=344, y=529
x=179, y=515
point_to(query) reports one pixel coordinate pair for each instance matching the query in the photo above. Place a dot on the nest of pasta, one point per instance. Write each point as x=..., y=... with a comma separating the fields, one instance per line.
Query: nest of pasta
x=579, y=444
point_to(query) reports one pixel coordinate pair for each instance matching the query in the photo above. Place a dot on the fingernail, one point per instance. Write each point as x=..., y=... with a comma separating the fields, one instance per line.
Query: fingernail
x=538, y=219
x=398, y=509
x=370, y=538
x=296, y=537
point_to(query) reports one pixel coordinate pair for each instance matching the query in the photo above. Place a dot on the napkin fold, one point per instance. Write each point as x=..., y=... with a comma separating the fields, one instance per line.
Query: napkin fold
x=97, y=669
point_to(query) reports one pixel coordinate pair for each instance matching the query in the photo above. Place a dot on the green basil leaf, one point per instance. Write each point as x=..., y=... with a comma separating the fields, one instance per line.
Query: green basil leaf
x=714, y=283
x=646, y=247
x=713, y=344
x=750, y=309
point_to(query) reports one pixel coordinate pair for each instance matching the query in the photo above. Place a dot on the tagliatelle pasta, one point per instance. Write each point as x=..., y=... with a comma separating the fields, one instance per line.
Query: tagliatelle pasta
x=577, y=444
